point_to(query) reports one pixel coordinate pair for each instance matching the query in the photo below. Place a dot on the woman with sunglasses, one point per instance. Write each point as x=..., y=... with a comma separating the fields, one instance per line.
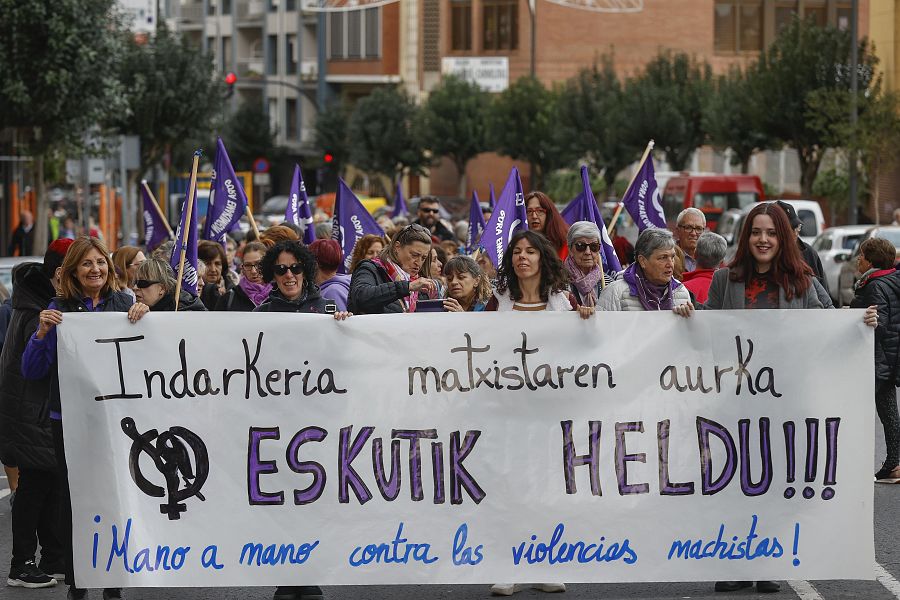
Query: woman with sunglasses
x=544, y=218
x=391, y=283
x=156, y=285
x=251, y=290
x=291, y=268
x=583, y=264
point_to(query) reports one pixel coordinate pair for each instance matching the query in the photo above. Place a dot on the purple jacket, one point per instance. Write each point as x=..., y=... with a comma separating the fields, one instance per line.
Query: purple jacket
x=337, y=288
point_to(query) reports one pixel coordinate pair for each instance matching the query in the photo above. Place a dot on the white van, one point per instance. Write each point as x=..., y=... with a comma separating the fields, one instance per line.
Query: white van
x=810, y=214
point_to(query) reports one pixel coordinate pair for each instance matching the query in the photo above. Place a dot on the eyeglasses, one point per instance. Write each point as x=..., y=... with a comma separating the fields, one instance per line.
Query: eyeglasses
x=581, y=246
x=251, y=266
x=295, y=268
x=430, y=210
x=533, y=212
x=689, y=229
x=144, y=283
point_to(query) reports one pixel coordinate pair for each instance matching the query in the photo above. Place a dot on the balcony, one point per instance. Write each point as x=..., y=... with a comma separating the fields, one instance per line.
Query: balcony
x=309, y=70
x=308, y=135
x=191, y=14
x=250, y=11
x=251, y=68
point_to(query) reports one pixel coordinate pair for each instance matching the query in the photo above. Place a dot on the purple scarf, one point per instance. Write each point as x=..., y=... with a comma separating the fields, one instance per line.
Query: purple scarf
x=257, y=292
x=651, y=295
x=585, y=283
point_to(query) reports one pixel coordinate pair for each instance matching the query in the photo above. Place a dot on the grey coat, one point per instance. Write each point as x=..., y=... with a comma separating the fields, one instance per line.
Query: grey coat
x=725, y=294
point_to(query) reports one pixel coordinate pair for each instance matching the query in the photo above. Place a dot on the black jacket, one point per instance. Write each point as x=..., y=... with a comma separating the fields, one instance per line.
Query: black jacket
x=885, y=293
x=209, y=293
x=25, y=437
x=440, y=231
x=311, y=303
x=188, y=302
x=811, y=257
x=235, y=299
x=372, y=292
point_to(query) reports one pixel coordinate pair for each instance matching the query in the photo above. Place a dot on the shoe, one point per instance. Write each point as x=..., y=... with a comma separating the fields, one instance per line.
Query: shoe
x=311, y=592
x=550, y=588
x=29, y=576
x=287, y=592
x=767, y=587
x=505, y=589
x=888, y=475
x=54, y=569
x=112, y=594
x=75, y=593
x=732, y=586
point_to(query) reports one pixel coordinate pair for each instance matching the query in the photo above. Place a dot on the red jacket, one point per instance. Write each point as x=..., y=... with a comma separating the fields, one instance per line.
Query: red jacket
x=698, y=282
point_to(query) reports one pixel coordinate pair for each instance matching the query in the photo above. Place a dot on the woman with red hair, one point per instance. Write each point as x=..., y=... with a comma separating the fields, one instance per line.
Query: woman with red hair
x=544, y=218
x=332, y=285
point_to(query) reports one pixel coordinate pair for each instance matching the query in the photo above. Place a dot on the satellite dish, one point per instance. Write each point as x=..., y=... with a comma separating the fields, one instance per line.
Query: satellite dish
x=341, y=5
x=604, y=6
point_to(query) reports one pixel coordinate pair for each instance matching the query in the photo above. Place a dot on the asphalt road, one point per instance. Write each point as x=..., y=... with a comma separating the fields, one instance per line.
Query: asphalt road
x=887, y=587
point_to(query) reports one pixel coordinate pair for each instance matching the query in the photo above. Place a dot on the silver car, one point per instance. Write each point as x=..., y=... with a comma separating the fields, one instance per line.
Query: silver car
x=834, y=246
x=848, y=275
x=6, y=267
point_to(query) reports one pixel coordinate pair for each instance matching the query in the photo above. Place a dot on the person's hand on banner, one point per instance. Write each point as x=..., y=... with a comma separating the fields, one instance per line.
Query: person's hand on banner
x=137, y=310
x=48, y=319
x=586, y=311
x=870, y=317
x=684, y=310
x=342, y=315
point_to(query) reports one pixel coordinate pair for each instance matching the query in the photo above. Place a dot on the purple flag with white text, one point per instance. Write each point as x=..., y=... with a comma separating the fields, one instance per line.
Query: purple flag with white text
x=155, y=231
x=400, y=209
x=584, y=208
x=642, y=199
x=476, y=224
x=298, y=211
x=227, y=200
x=351, y=222
x=492, y=199
x=508, y=217
x=186, y=237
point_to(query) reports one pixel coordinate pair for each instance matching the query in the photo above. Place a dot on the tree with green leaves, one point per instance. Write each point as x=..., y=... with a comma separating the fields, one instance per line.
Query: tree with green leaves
x=524, y=124
x=383, y=135
x=248, y=134
x=591, y=114
x=804, y=62
x=332, y=135
x=732, y=116
x=453, y=123
x=665, y=103
x=58, y=66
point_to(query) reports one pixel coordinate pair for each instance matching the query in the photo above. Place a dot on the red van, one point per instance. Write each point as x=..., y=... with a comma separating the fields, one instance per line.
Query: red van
x=713, y=194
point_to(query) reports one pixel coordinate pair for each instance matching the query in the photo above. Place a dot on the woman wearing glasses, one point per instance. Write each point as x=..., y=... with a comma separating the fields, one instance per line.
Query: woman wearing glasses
x=544, y=218
x=390, y=283
x=586, y=279
x=291, y=268
x=155, y=286
x=251, y=290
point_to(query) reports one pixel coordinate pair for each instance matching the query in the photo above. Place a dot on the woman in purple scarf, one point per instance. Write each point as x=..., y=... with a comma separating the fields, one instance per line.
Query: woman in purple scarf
x=251, y=290
x=583, y=264
x=649, y=283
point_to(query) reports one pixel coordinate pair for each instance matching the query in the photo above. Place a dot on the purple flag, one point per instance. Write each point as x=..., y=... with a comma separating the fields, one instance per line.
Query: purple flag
x=298, y=211
x=508, y=217
x=351, y=222
x=400, y=209
x=476, y=224
x=492, y=200
x=642, y=200
x=584, y=208
x=155, y=230
x=190, y=279
x=227, y=200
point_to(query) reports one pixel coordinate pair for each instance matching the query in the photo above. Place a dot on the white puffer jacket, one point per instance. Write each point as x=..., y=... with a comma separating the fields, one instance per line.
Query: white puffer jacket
x=617, y=296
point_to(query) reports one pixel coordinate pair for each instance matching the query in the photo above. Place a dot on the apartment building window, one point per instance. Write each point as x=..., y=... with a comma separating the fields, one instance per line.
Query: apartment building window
x=226, y=7
x=816, y=12
x=290, y=118
x=291, y=52
x=273, y=5
x=785, y=12
x=738, y=26
x=461, y=24
x=290, y=5
x=844, y=14
x=225, y=55
x=271, y=54
x=211, y=8
x=354, y=34
x=500, y=24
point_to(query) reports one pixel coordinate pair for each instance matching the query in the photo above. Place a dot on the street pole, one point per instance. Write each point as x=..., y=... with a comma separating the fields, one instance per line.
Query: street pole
x=532, y=9
x=854, y=86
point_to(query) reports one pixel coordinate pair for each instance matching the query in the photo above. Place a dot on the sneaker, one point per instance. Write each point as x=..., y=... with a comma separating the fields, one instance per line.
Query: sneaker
x=768, y=587
x=29, y=576
x=286, y=592
x=112, y=594
x=505, y=589
x=732, y=586
x=75, y=593
x=550, y=588
x=888, y=475
x=54, y=569
x=311, y=592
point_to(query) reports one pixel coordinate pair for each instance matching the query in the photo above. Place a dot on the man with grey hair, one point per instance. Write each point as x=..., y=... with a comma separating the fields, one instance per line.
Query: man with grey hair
x=709, y=254
x=689, y=225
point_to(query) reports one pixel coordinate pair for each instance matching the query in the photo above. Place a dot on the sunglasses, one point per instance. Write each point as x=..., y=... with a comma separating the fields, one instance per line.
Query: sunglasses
x=295, y=268
x=580, y=246
x=144, y=283
x=430, y=210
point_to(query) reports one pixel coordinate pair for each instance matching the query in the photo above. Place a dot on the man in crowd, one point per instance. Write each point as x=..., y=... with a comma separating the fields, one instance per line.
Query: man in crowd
x=23, y=235
x=709, y=254
x=428, y=216
x=689, y=225
x=810, y=256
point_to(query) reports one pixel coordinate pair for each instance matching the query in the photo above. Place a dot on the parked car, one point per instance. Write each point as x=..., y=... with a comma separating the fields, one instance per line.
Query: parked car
x=6, y=267
x=272, y=211
x=728, y=224
x=834, y=246
x=808, y=211
x=848, y=275
x=713, y=194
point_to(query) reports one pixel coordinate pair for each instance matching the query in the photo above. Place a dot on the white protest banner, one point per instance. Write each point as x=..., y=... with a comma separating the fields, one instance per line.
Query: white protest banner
x=261, y=449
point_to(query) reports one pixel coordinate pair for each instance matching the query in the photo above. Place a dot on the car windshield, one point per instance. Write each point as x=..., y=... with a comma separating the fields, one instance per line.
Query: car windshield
x=724, y=200
x=891, y=235
x=851, y=241
x=807, y=223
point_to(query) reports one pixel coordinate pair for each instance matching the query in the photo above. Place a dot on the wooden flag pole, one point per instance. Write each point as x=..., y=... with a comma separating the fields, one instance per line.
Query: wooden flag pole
x=158, y=209
x=619, y=208
x=186, y=234
x=252, y=222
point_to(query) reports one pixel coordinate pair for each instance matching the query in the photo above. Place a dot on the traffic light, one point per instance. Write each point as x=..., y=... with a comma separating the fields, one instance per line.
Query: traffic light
x=230, y=80
x=328, y=158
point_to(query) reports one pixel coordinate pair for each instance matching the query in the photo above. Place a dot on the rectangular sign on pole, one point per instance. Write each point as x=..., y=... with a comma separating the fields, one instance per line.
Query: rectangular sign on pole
x=207, y=449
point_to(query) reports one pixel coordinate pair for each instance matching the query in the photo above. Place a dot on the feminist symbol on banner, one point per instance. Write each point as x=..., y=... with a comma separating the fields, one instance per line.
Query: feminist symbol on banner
x=172, y=456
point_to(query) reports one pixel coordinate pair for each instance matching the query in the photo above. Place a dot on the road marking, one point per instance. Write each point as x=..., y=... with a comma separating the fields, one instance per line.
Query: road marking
x=887, y=580
x=805, y=590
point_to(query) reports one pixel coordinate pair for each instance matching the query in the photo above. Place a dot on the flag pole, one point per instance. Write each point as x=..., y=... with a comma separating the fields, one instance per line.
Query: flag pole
x=186, y=234
x=252, y=222
x=158, y=209
x=619, y=208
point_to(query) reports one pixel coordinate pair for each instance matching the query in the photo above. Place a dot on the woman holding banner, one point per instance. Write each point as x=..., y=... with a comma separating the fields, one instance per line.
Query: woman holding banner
x=649, y=282
x=86, y=285
x=155, y=286
x=544, y=218
x=583, y=264
x=468, y=288
x=251, y=290
x=390, y=283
